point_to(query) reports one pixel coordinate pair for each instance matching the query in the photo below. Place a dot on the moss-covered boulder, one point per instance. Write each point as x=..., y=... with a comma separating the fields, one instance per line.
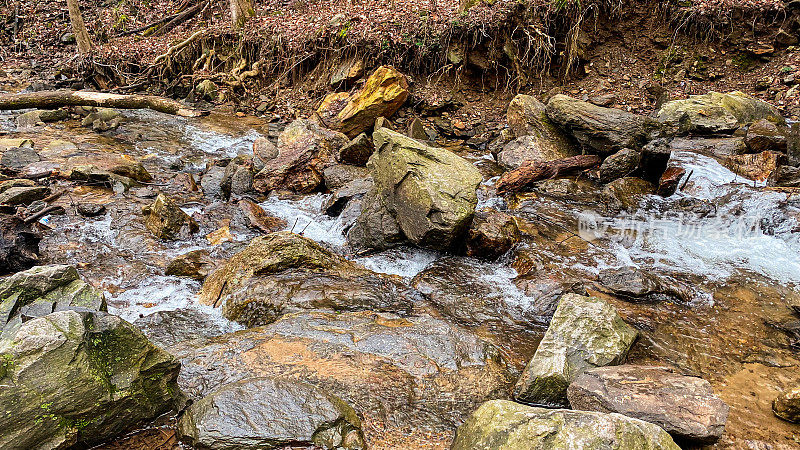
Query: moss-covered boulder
x=429, y=191
x=267, y=413
x=715, y=112
x=585, y=332
x=501, y=424
x=284, y=272
x=41, y=290
x=305, y=149
x=77, y=378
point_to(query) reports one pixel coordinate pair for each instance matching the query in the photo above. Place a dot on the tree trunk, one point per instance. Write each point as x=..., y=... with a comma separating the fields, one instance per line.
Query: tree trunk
x=241, y=10
x=530, y=172
x=79, y=28
x=57, y=99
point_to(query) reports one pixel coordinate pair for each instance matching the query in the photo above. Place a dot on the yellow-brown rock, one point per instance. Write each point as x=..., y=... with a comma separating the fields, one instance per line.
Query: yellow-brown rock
x=384, y=92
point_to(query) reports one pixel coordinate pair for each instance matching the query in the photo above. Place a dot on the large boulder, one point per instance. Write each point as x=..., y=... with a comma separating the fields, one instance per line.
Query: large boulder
x=604, y=130
x=384, y=92
x=430, y=191
x=410, y=377
x=304, y=150
x=685, y=407
x=531, y=148
x=501, y=424
x=77, y=378
x=715, y=112
x=526, y=117
x=585, y=332
x=284, y=272
x=267, y=413
x=41, y=290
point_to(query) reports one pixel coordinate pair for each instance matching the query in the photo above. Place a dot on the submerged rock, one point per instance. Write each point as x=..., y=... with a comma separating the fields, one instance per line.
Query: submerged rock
x=585, y=332
x=42, y=290
x=267, y=413
x=429, y=191
x=166, y=220
x=285, y=272
x=501, y=424
x=628, y=192
x=715, y=112
x=605, y=130
x=304, y=150
x=195, y=264
x=402, y=374
x=787, y=405
x=684, y=407
x=78, y=378
x=19, y=157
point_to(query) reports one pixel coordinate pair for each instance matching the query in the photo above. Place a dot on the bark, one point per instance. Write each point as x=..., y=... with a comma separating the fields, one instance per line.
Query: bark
x=79, y=28
x=241, y=10
x=57, y=99
x=530, y=172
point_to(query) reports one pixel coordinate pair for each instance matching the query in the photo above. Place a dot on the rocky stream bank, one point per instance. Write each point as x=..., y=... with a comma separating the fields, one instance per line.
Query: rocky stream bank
x=579, y=277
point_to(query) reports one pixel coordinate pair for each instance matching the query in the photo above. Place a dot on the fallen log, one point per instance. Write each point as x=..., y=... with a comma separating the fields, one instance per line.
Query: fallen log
x=57, y=99
x=530, y=172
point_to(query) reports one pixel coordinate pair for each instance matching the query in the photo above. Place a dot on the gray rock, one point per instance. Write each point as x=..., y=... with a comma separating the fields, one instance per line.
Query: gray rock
x=23, y=195
x=526, y=117
x=585, y=332
x=338, y=175
x=605, y=130
x=715, y=112
x=19, y=157
x=375, y=227
x=268, y=413
x=530, y=148
x=684, y=407
x=237, y=179
x=501, y=424
x=166, y=220
x=620, y=164
x=211, y=182
x=336, y=203
x=634, y=284
x=713, y=146
x=168, y=328
x=78, y=378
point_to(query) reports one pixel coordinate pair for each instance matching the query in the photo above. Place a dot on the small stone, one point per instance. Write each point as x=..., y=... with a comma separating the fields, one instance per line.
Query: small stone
x=416, y=130
x=166, y=220
x=23, y=195
x=620, y=164
x=91, y=209
x=669, y=181
x=491, y=234
x=195, y=264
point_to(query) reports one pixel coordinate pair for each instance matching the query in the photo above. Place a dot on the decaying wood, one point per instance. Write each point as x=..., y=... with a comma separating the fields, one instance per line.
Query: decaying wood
x=180, y=18
x=79, y=28
x=57, y=99
x=530, y=172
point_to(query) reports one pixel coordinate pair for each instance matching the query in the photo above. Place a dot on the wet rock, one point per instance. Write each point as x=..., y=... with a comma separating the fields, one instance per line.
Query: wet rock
x=206, y=90
x=347, y=72
x=336, y=203
x=655, y=158
x=491, y=234
x=725, y=146
x=23, y=195
x=416, y=130
x=166, y=220
x=764, y=135
x=471, y=293
x=585, y=332
x=270, y=413
x=7, y=143
x=102, y=119
x=605, y=130
x=263, y=150
x=284, y=272
x=669, y=181
x=785, y=176
x=685, y=407
x=715, y=112
x=78, y=378
x=382, y=95
x=526, y=117
x=430, y=191
x=304, y=150
x=756, y=166
x=34, y=118
x=501, y=424
x=787, y=405
x=628, y=192
x=211, y=182
x=634, y=284
x=403, y=373
x=19, y=244
x=530, y=148
x=91, y=209
x=19, y=157
x=620, y=164
x=357, y=151
x=260, y=219
x=375, y=227
x=196, y=264
x=168, y=328
x=338, y=175
x=98, y=167
x=42, y=290
x=16, y=182
x=237, y=179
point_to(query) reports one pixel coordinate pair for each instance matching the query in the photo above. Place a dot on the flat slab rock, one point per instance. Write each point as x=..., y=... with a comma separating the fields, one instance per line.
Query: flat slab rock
x=501, y=424
x=685, y=407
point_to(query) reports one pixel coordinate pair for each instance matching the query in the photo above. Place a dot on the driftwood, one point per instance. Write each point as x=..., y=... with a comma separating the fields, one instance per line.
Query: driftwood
x=530, y=172
x=57, y=99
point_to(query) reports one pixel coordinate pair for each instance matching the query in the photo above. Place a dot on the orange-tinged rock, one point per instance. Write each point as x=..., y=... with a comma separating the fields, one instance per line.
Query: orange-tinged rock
x=383, y=94
x=756, y=166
